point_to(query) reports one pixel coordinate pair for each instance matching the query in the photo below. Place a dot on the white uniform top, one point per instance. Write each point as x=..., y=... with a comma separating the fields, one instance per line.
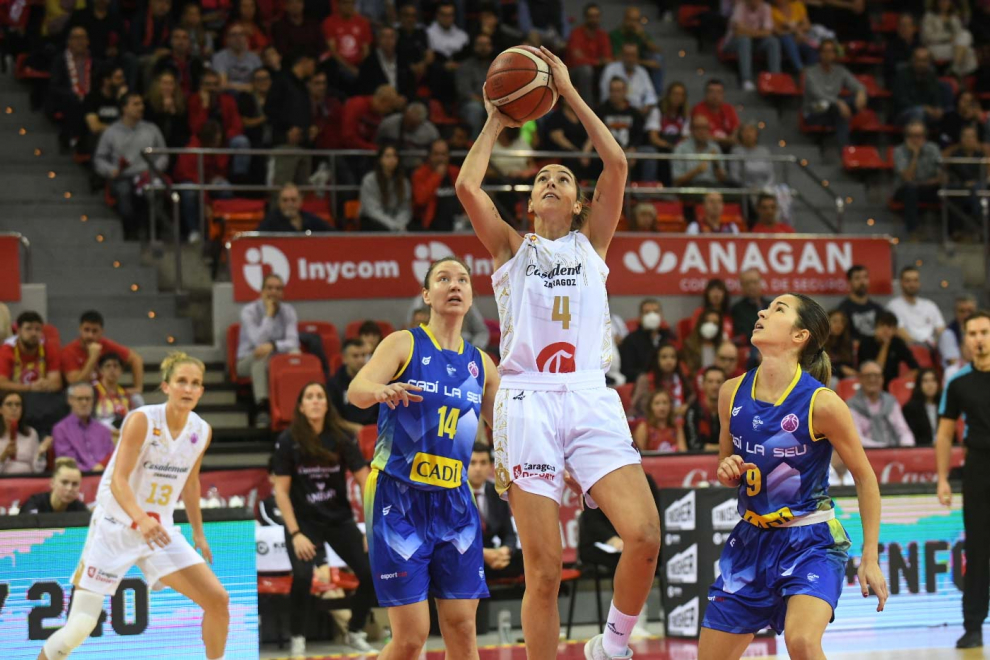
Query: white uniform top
x=162, y=466
x=553, y=312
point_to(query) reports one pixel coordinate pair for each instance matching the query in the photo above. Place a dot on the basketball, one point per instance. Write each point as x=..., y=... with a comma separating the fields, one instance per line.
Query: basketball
x=520, y=84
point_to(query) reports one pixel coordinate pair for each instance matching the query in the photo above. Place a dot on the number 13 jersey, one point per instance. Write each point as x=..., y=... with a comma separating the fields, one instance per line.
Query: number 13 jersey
x=553, y=307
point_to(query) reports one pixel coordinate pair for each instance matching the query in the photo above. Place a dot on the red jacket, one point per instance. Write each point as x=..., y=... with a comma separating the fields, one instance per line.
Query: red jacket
x=213, y=166
x=199, y=115
x=360, y=124
x=425, y=182
x=594, y=48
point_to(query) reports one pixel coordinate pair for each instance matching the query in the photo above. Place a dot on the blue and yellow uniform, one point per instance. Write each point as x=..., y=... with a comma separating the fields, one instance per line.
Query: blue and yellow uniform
x=788, y=541
x=424, y=532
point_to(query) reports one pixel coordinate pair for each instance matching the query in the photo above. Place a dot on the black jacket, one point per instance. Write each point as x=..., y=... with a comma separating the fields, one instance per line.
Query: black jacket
x=371, y=76
x=498, y=521
x=276, y=222
x=917, y=420
x=636, y=350
x=288, y=105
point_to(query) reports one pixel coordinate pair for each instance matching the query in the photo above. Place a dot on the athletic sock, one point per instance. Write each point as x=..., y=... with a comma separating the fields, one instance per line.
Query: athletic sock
x=222, y=657
x=616, y=639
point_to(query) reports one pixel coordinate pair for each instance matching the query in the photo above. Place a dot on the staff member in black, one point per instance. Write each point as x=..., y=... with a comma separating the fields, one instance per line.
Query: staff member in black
x=311, y=493
x=966, y=394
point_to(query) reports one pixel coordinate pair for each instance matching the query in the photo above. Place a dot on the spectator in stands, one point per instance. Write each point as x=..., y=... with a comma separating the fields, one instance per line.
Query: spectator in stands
x=640, y=345
x=920, y=319
x=792, y=27
x=102, y=106
x=921, y=410
x=191, y=20
x=745, y=311
x=722, y=118
x=503, y=558
x=490, y=22
x=211, y=102
x=639, y=88
x=81, y=356
x=413, y=44
x=290, y=113
x=386, y=199
x=824, y=83
x=272, y=59
x=105, y=29
x=70, y=83
x=113, y=402
x=268, y=326
x=545, y=22
x=470, y=80
x=711, y=220
x=665, y=125
x=644, y=218
x=943, y=32
x=900, y=46
x=888, y=349
x=917, y=93
x=354, y=353
x=349, y=40
x=311, y=457
x=633, y=30
x=364, y=114
x=588, y=50
x=251, y=106
x=409, y=130
x=755, y=170
x=876, y=414
x=701, y=422
x=727, y=359
x=625, y=123
x=288, y=217
x=698, y=172
x=446, y=42
x=64, y=494
x=26, y=364
x=246, y=15
x=80, y=436
x=419, y=316
x=384, y=67
x=150, y=31
x=979, y=22
x=861, y=310
x=118, y=159
x=966, y=113
x=473, y=330
x=751, y=28
x=370, y=333
x=665, y=372
x=716, y=296
x=187, y=67
x=435, y=207
x=236, y=63
x=768, y=218
x=20, y=450
x=166, y=108
x=215, y=172
x=507, y=166
x=950, y=342
x=700, y=346
x=660, y=432
x=848, y=18
x=293, y=34
x=919, y=175
x=566, y=133
x=970, y=176
x=839, y=345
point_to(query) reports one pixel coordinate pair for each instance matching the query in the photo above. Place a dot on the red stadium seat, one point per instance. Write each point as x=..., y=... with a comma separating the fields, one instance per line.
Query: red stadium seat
x=24, y=71
x=367, y=437
x=777, y=84
x=687, y=16
x=351, y=331
x=336, y=362
x=812, y=129
x=867, y=121
x=886, y=23
x=328, y=334
x=864, y=159
x=233, y=338
x=952, y=83
x=901, y=389
x=625, y=395
x=318, y=206
x=236, y=215
x=862, y=53
x=873, y=88
x=684, y=328
x=847, y=388
x=287, y=375
x=923, y=355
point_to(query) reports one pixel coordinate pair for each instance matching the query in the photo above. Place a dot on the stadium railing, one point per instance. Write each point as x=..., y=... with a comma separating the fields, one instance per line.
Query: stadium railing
x=948, y=192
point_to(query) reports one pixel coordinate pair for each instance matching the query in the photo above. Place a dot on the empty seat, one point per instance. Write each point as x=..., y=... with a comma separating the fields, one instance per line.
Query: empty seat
x=287, y=375
x=329, y=335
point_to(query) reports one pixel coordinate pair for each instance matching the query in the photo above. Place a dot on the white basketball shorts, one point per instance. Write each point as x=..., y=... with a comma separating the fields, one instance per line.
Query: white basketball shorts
x=546, y=423
x=112, y=547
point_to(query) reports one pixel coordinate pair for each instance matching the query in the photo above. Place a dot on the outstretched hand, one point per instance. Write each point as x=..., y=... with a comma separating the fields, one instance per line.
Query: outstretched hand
x=561, y=76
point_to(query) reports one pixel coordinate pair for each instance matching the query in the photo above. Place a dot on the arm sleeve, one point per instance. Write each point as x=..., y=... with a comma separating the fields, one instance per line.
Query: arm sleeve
x=948, y=347
x=901, y=159
x=849, y=82
x=425, y=184
x=949, y=406
x=651, y=94
x=103, y=159
x=291, y=340
x=862, y=428
x=256, y=333
x=158, y=142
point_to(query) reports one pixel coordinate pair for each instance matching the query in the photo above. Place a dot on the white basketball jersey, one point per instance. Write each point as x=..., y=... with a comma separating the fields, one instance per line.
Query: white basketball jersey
x=162, y=467
x=553, y=308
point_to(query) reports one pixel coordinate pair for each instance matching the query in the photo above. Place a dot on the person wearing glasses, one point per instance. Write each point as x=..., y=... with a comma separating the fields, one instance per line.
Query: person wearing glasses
x=80, y=435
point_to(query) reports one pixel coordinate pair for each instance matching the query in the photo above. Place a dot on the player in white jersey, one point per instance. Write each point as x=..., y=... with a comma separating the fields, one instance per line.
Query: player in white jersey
x=157, y=459
x=553, y=411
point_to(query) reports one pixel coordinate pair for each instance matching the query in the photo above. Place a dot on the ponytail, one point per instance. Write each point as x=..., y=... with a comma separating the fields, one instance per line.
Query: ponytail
x=819, y=365
x=813, y=357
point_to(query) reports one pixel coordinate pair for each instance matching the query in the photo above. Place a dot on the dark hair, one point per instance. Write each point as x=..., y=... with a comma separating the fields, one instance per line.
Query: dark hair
x=647, y=301
x=714, y=81
x=666, y=110
x=210, y=132
x=650, y=419
x=858, y=268
x=105, y=72
x=712, y=368
x=840, y=347
x=716, y=283
x=21, y=426
x=590, y=5
x=813, y=358
x=978, y=314
x=29, y=316
x=398, y=179
x=303, y=434
x=886, y=318
x=296, y=57
x=908, y=269
x=765, y=196
x=823, y=42
x=236, y=17
x=126, y=98
x=91, y=316
x=207, y=73
x=654, y=368
x=692, y=343
x=917, y=396
x=482, y=448
x=109, y=357
x=618, y=79
x=370, y=328
x=426, y=280
x=348, y=343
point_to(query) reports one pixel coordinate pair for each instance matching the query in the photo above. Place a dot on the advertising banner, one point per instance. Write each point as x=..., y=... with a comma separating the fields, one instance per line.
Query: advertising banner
x=10, y=269
x=349, y=266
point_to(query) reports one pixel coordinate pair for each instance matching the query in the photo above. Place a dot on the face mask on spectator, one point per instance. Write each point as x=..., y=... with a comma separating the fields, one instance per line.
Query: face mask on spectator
x=709, y=330
x=651, y=321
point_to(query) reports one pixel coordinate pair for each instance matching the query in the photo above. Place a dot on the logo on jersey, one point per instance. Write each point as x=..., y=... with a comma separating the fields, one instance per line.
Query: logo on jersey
x=426, y=360
x=790, y=423
x=757, y=423
x=812, y=577
x=257, y=258
x=557, y=358
x=679, y=516
x=193, y=439
x=392, y=576
x=683, y=620
x=473, y=369
x=425, y=254
x=451, y=370
x=156, y=432
x=516, y=471
x=436, y=470
x=386, y=509
x=649, y=259
x=735, y=411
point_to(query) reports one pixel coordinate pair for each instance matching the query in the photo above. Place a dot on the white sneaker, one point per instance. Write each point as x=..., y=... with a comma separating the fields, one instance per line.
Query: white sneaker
x=748, y=86
x=358, y=640
x=298, y=649
x=594, y=650
x=639, y=632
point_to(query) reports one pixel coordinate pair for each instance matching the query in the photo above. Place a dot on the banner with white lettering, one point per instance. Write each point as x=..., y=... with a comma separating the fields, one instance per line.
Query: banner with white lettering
x=348, y=266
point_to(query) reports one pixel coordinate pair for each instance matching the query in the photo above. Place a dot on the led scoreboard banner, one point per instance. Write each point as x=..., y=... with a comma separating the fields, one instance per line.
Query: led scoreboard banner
x=39, y=554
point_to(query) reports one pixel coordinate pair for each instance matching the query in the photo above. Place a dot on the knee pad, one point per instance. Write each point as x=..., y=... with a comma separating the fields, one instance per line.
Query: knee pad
x=83, y=616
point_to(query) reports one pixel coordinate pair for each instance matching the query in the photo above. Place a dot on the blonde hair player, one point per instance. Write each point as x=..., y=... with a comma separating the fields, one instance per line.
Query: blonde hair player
x=157, y=459
x=553, y=411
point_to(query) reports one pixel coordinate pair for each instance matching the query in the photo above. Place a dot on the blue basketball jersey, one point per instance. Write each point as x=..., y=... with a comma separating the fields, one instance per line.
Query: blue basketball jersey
x=428, y=445
x=791, y=475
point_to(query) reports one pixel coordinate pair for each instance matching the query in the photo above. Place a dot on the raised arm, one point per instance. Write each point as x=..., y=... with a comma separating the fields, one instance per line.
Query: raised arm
x=611, y=187
x=373, y=384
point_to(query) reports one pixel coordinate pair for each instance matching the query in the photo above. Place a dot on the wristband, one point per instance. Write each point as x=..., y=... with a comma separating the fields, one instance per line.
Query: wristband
x=292, y=535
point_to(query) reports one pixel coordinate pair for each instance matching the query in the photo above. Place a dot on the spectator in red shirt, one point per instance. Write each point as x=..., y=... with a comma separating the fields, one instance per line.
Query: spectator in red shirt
x=434, y=204
x=209, y=103
x=349, y=39
x=767, y=220
x=722, y=116
x=588, y=49
x=363, y=114
x=25, y=364
x=80, y=357
x=214, y=172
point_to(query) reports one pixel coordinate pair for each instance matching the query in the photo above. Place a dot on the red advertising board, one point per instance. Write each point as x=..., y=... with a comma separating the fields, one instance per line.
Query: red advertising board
x=10, y=269
x=344, y=266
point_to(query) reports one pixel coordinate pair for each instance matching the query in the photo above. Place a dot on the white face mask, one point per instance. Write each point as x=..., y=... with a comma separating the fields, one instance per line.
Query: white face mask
x=709, y=330
x=651, y=321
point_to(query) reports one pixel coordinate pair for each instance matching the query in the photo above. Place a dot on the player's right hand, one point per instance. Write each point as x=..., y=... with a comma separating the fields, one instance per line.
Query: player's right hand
x=493, y=111
x=153, y=532
x=395, y=393
x=731, y=470
x=303, y=547
x=944, y=493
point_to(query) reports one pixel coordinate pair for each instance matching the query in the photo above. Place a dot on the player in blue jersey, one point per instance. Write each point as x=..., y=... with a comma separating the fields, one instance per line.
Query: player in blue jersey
x=784, y=564
x=424, y=531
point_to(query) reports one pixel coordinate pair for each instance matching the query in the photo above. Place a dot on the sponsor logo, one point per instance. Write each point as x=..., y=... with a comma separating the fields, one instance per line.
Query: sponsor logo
x=255, y=261
x=650, y=259
x=516, y=471
x=679, y=516
x=157, y=432
x=735, y=411
x=768, y=520
x=436, y=470
x=426, y=360
x=473, y=369
x=725, y=516
x=324, y=494
x=451, y=370
x=91, y=571
x=540, y=470
x=557, y=358
x=615, y=631
x=519, y=397
x=683, y=620
x=481, y=572
x=674, y=592
x=757, y=423
x=671, y=539
x=99, y=575
x=164, y=469
x=393, y=576
x=812, y=577
x=425, y=254
x=790, y=423
x=193, y=439
x=386, y=509
x=261, y=548
x=682, y=568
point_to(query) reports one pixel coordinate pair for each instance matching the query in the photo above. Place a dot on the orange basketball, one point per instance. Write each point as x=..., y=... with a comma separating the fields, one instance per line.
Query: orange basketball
x=520, y=84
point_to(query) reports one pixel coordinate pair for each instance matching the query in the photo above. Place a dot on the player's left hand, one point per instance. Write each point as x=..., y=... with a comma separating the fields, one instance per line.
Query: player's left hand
x=199, y=542
x=870, y=577
x=561, y=76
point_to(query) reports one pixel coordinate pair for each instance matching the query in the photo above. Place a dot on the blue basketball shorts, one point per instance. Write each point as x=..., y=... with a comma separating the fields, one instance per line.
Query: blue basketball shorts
x=761, y=568
x=423, y=542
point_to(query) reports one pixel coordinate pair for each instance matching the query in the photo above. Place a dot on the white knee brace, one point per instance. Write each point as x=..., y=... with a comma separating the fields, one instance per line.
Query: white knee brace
x=83, y=615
